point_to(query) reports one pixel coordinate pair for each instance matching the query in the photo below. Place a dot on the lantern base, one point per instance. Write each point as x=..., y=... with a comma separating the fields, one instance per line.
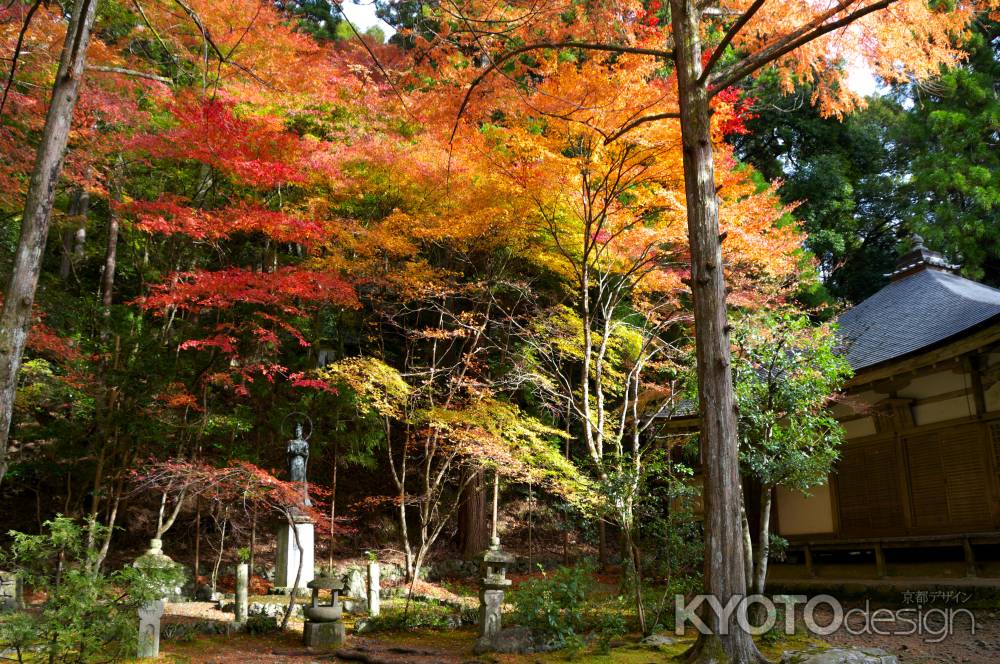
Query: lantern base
x=323, y=635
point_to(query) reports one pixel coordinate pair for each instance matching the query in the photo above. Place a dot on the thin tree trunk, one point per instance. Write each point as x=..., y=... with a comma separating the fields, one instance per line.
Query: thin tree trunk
x=298, y=572
x=253, y=542
x=163, y=526
x=74, y=239
x=636, y=559
x=112, y=517
x=333, y=500
x=496, y=505
x=218, y=559
x=407, y=549
x=747, y=542
x=602, y=543
x=15, y=319
x=110, y=263
x=763, y=540
x=197, y=542
x=725, y=576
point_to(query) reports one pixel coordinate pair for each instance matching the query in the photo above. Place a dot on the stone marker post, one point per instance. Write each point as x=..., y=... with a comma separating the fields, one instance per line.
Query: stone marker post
x=149, y=629
x=374, y=588
x=355, y=588
x=11, y=592
x=242, y=591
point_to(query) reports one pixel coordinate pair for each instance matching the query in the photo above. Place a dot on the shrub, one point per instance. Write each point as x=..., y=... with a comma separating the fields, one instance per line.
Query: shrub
x=554, y=604
x=419, y=615
x=88, y=615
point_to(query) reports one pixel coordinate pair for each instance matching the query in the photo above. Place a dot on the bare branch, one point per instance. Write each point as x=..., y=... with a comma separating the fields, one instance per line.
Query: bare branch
x=129, y=72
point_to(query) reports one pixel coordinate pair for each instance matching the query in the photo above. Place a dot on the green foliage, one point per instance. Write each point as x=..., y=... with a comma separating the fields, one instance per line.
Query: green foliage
x=785, y=369
x=921, y=158
x=428, y=614
x=259, y=625
x=949, y=134
x=87, y=615
x=843, y=175
x=559, y=606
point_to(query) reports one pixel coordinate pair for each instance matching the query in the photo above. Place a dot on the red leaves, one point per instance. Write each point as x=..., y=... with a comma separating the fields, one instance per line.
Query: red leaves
x=285, y=289
x=732, y=110
x=169, y=215
x=255, y=150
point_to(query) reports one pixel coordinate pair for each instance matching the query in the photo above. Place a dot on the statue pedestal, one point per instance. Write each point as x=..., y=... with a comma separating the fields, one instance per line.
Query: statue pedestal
x=287, y=563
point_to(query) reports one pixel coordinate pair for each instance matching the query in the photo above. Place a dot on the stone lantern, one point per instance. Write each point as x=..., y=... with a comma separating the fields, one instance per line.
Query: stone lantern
x=491, y=592
x=324, y=627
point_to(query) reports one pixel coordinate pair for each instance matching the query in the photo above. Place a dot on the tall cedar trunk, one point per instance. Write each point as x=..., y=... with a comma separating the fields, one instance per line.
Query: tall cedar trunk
x=20, y=295
x=74, y=239
x=724, y=573
x=472, y=515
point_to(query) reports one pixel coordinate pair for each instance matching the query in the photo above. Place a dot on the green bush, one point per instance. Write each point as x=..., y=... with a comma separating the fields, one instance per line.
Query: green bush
x=419, y=615
x=88, y=615
x=261, y=625
x=555, y=604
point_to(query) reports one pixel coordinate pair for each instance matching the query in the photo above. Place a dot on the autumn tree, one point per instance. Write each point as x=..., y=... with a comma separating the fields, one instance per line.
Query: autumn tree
x=20, y=293
x=709, y=47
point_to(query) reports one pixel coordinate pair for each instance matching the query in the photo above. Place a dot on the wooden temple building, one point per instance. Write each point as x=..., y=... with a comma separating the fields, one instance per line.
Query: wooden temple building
x=918, y=477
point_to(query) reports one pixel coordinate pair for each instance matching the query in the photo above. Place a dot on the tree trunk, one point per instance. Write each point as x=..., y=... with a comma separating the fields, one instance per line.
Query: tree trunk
x=472, y=515
x=197, y=542
x=253, y=543
x=333, y=500
x=636, y=562
x=725, y=576
x=74, y=239
x=747, y=541
x=110, y=263
x=763, y=540
x=293, y=595
x=218, y=559
x=20, y=295
x=602, y=544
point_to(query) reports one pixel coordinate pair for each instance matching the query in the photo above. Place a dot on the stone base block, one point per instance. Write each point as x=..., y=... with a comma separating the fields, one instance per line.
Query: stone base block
x=323, y=635
x=287, y=555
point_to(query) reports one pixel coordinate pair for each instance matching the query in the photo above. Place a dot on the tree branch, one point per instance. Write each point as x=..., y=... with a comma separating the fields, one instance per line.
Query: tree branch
x=129, y=72
x=728, y=37
x=790, y=42
x=587, y=46
x=640, y=121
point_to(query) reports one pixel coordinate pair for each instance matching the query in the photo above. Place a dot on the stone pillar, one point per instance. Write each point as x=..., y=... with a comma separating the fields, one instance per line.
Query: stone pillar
x=11, y=592
x=242, y=591
x=357, y=590
x=149, y=629
x=490, y=608
x=374, y=588
x=288, y=555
